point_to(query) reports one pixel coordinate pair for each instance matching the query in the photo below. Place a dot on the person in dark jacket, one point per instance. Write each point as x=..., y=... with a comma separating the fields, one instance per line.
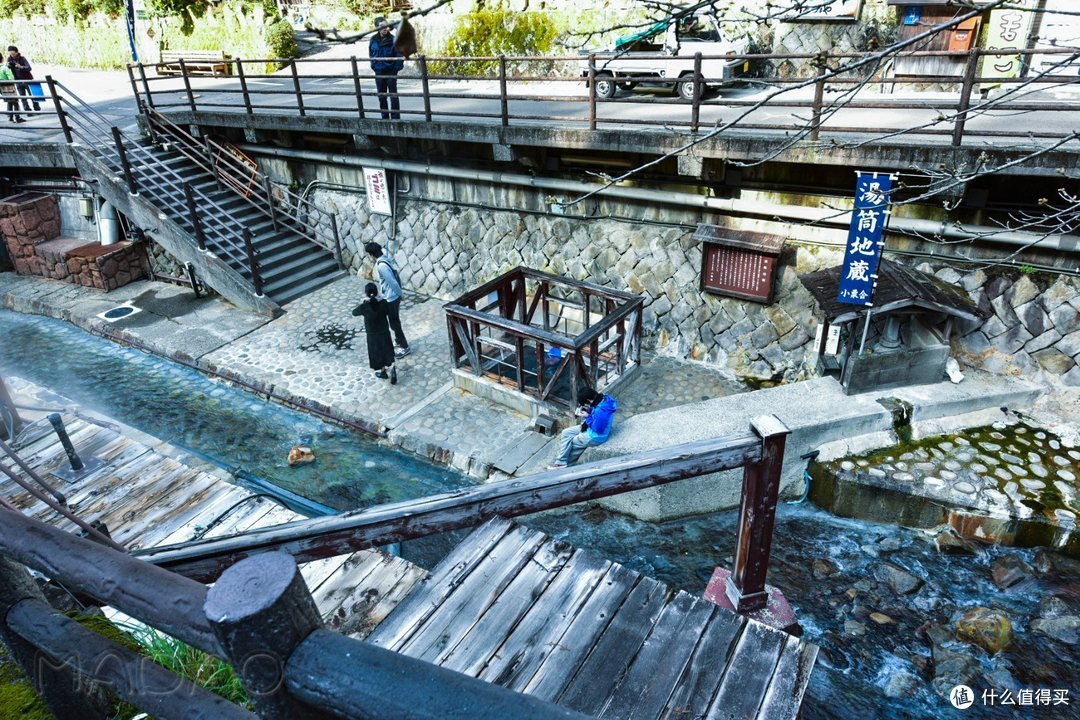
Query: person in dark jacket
x=20, y=68
x=597, y=412
x=386, y=61
x=380, y=346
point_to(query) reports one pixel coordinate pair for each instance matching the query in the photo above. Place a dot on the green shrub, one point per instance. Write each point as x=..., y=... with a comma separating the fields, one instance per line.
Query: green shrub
x=189, y=663
x=280, y=41
x=489, y=33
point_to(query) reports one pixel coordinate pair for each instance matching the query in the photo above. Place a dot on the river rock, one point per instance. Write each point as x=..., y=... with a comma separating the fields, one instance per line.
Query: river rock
x=1009, y=570
x=854, y=628
x=901, y=685
x=900, y=581
x=1048, y=562
x=1052, y=606
x=823, y=568
x=300, y=455
x=882, y=618
x=1064, y=628
x=952, y=668
x=989, y=629
x=948, y=542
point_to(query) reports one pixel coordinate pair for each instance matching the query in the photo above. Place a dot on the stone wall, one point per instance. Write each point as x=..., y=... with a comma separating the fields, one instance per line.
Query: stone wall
x=26, y=220
x=1033, y=329
x=873, y=26
x=443, y=249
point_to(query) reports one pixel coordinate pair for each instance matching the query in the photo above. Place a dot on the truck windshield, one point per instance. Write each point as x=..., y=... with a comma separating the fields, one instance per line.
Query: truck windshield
x=697, y=29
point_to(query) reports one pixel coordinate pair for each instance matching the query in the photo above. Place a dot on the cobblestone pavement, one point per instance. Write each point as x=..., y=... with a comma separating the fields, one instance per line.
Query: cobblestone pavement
x=339, y=377
x=665, y=382
x=1016, y=472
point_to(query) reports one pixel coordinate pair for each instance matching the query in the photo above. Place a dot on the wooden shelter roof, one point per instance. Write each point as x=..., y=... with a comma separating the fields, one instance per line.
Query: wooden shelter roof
x=898, y=287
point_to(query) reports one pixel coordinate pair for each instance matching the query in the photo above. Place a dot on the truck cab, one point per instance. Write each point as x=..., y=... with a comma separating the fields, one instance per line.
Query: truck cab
x=663, y=54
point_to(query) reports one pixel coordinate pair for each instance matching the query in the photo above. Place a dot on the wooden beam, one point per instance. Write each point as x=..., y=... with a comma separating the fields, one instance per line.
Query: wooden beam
x=334, y=535
x=513, y=326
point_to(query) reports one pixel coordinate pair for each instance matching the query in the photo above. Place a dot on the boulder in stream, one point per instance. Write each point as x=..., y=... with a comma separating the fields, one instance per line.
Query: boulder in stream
x=989, y=629
x=1063, y=628
x=1010, y=570
x=900, y=581
x=948, y=542
x=300, y=455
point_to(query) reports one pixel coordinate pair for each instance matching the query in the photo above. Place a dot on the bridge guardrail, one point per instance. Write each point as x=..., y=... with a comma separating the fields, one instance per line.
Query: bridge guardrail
x=338, y=87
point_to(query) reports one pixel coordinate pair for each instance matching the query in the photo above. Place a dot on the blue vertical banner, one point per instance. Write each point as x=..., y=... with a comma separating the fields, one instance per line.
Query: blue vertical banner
x=865, y=238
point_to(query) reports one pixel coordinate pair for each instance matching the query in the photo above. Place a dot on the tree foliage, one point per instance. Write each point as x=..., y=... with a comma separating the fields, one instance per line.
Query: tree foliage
x=494, y=32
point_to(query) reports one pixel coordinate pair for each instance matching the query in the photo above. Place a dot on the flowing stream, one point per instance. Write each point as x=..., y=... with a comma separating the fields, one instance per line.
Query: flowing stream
x=875, y=656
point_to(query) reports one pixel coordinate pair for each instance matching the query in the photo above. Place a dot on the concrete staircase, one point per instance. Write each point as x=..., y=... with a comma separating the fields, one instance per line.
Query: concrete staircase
x=178, y=188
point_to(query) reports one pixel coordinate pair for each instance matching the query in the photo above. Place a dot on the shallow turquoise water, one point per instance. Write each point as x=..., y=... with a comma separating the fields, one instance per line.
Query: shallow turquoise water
x=229, y=425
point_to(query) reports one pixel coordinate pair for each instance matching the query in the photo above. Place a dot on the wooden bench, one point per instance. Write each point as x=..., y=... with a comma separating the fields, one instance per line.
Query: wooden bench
x=196, y=62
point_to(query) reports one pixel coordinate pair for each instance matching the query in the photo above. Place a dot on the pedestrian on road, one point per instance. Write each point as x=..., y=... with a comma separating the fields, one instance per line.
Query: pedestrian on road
x=596, y=413
x=390, y=289
x=20, y=68
x=386, y=62
x=380, y=348
x=10, y=94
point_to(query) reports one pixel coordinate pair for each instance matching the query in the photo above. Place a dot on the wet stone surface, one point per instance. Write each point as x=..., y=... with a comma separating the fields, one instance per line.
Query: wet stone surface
x=1016, y=473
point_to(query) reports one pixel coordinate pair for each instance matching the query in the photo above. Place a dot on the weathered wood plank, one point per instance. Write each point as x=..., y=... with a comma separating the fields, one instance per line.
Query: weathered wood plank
x=183, y=525
x=447, y=625
x=347, y=532
x=400, y=625
x=487, y=633
x=537, y=635
x=600, y=674
x=792, y=675
x=344, y=582
x=570, y=650
x=240, y=517
x=519, y=453
x=749, y=672
x=644, y=690
x=701, y=678
x=370, y=608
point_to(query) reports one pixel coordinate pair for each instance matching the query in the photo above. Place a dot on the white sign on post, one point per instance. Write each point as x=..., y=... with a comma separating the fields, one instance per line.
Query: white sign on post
x=378, y=191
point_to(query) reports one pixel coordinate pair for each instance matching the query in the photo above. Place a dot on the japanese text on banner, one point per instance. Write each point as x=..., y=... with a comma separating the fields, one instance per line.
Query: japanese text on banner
x=865, y=238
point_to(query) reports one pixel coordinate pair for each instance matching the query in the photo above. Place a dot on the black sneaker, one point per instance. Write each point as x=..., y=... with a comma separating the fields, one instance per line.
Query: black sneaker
x=401, y=352
x=381, y=375
x=20, y=119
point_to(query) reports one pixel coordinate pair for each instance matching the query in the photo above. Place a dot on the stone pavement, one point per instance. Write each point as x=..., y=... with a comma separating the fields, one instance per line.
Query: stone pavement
x=314, y=357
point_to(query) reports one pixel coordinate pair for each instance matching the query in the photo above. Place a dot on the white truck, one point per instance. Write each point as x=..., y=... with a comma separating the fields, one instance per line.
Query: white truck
x=663, y=54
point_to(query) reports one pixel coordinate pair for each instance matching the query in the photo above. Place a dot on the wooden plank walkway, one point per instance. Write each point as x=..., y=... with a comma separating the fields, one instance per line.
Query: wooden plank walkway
x=148, y=497
x=517, y=608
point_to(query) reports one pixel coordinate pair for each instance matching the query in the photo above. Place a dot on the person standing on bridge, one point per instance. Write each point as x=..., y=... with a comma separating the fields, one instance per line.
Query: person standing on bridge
x=20, y=68
x=386, y=62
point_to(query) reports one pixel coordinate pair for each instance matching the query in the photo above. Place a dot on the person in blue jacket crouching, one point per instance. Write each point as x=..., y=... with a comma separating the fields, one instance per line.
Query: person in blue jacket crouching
x=597, y=413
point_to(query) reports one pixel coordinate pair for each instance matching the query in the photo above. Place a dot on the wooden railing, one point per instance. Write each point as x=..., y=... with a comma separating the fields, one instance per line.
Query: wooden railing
x=260, y=618
x=544, y=335
x=507, y=99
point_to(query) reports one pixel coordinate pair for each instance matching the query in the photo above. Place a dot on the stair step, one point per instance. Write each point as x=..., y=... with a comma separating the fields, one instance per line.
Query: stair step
x=287, y=295
x=301, y=265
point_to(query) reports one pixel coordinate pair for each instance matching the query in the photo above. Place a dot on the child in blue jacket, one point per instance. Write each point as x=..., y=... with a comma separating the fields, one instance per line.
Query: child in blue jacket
x=598, y=413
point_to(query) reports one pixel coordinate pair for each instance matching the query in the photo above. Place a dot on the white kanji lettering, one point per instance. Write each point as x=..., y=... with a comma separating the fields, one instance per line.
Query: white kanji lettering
x=868, y=220
x=859, y=270
x=862, y=246
x=873, y=194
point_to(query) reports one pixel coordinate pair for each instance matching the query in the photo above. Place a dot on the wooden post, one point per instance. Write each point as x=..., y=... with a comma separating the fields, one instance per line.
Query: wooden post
x=187, y=85
x=820, y=62
x=296, y=87
x=695, y=108
x=253, y=264
x=424, y=85
x=243, y=86
x=59, y=109
x=745, y=588
x=502, y=91
x=118, y=139
x=337, y=241
x=970, y=71
x=196, y=223
x=68, y=697
x=356, y=87
x=592, y=91
x=11, y=414
x=261, y=610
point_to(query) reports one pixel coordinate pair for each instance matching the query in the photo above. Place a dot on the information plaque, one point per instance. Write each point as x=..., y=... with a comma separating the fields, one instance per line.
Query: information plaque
x=738, y=263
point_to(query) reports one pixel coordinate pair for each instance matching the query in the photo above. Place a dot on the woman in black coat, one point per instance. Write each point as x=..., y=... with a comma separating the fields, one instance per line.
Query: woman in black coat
x=380, y=345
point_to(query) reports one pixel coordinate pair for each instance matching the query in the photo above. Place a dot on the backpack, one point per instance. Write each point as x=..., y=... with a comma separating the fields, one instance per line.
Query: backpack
x=393, y=271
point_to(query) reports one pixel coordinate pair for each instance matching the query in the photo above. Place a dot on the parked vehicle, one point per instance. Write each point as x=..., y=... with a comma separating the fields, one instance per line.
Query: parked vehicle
x=664, y=55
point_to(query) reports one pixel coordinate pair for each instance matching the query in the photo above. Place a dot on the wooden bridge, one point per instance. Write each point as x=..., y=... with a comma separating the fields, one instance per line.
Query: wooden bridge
x=511, y=621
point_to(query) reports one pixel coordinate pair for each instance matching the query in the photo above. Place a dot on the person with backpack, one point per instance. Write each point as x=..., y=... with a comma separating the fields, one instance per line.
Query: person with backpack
x=390, y=289
x=10, y=94
x=596, y=413
x=20, y=68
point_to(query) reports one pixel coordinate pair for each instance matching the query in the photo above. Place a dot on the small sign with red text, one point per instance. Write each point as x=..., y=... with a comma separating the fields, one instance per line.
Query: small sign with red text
x=378, y=191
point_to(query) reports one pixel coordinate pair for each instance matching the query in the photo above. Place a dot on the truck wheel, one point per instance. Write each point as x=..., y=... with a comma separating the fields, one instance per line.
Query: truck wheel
x=605, y=87
x=627, y=86
x=685, y=89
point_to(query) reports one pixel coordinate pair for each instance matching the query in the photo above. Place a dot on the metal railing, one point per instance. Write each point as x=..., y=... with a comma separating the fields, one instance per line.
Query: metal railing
x=260, y=617
x=544, y=335
x=428, y=97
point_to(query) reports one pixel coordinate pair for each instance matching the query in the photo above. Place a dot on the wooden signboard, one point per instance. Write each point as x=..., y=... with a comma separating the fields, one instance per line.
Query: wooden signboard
x=738, y=263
